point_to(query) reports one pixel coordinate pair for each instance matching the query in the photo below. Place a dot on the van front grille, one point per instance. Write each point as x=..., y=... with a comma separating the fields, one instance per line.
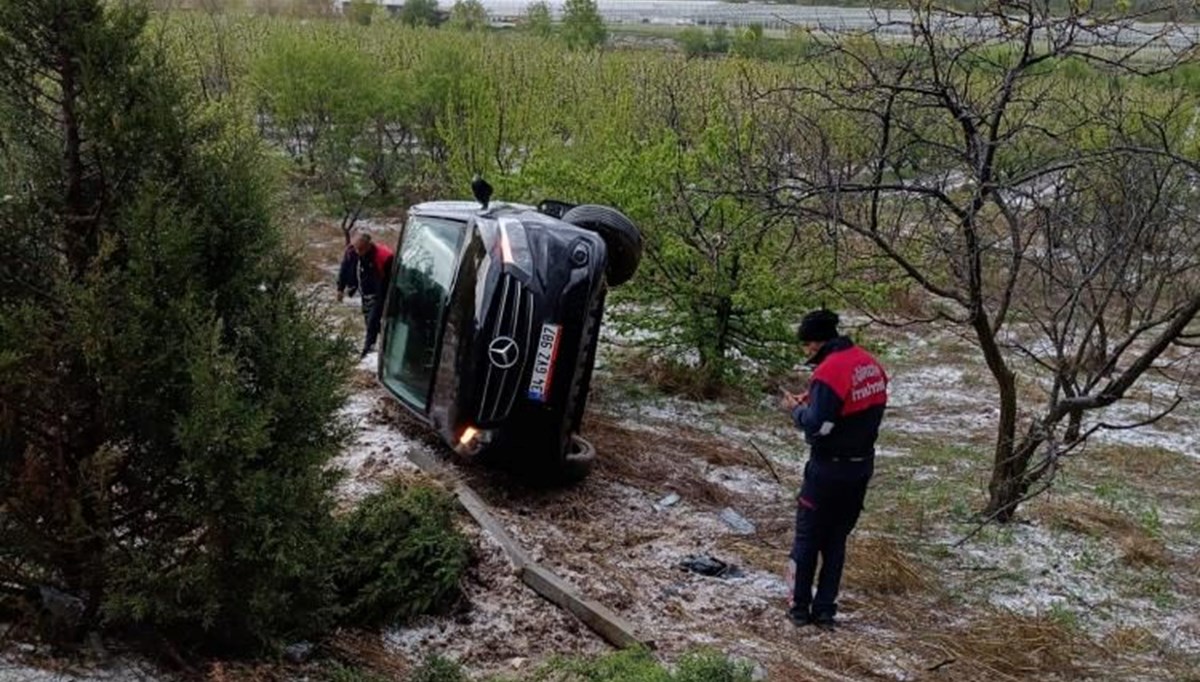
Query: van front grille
x=508, y=350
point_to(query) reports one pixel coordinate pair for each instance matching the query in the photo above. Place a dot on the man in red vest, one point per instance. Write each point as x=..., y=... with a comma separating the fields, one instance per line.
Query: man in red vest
x=366, y=267
x=840, y=415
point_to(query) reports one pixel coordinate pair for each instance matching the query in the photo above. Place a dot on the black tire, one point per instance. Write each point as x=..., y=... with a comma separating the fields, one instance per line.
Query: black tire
x=621, y=236
x=580, y=457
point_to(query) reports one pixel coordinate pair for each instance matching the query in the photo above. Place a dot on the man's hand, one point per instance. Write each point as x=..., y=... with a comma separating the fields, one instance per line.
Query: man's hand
x=791, y=401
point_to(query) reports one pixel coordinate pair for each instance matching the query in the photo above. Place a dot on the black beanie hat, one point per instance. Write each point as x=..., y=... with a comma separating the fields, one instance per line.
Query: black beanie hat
x=819, y=325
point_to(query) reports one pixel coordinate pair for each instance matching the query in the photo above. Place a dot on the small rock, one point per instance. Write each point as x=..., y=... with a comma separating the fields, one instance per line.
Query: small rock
x=667, y=501
x=736, y=521
x=298, y=652
x=517, y=662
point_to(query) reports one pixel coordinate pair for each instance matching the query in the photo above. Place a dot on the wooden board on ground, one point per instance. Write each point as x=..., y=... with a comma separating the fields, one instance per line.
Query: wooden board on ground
x=602, y=620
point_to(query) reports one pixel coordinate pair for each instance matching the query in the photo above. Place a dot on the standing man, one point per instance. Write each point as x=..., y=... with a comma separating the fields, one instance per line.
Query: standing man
x=840, y=415
x=367, y=267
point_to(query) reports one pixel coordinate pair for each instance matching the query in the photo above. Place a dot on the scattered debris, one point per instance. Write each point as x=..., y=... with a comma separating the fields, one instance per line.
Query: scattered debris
x=711, y=566
x=667, y=501
x=736, y=521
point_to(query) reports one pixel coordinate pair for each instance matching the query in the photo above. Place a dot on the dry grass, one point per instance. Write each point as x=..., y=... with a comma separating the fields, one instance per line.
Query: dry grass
x=362, y=380
x=1144, y=551
x=877, y=565
x=1003, y=645
x=635, y=458
x=1132, y=640
x=1138, y=547
x=367, y=651
x=1151, y=465
x=670, y=377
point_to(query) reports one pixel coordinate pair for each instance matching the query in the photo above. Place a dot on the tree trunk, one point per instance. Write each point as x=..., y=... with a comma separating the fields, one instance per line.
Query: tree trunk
x=1008, y=467
x=81, y=433
x=712, y=351
x=1009, y=462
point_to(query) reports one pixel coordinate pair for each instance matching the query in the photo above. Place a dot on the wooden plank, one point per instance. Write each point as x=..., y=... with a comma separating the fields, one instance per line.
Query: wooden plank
x=612, y=627
x=478, y=510
x=604, y=622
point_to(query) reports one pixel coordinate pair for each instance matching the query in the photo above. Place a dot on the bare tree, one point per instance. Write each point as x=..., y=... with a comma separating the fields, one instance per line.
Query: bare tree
x=1035, y=176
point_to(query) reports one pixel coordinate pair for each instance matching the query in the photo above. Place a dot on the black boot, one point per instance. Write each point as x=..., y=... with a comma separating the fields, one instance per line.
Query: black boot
x=799, y=616
x=824, y=620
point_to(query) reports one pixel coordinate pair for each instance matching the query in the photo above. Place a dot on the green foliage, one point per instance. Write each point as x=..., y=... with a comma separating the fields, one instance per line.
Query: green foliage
x=748, y=42
x=719, y=40
x=420, y=13
x=330, y=107
x=468, y=15
x=402, y=555
x=721, y=281
x=437, y=668
x=639, y=665
x=696, y=42
x=538, y=20
x=189, y=491
x=582, y=25
x=362, y=12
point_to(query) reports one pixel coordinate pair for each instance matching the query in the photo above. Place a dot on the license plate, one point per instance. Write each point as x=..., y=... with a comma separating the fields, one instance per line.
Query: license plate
x=543, y=363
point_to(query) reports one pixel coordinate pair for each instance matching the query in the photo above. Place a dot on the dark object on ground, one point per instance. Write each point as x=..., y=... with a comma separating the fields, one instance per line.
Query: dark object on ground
x=799, y=616
x=491, y=324
x=298, y=652
x=710, y=566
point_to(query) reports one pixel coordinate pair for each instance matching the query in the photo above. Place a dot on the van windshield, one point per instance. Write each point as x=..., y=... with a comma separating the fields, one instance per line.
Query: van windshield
x=425, y=266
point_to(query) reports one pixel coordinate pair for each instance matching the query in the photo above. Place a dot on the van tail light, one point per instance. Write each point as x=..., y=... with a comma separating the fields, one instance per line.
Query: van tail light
x=505, y=245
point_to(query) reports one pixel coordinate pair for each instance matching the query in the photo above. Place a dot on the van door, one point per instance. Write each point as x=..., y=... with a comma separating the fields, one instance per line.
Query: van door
x=426, y=260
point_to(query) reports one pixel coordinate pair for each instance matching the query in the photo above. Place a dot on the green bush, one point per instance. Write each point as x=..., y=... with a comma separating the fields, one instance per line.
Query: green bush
x=582, y=25
x=362, y=12
x=639, y=665
x=710, y=666
x=402, y=555
x=435, y=668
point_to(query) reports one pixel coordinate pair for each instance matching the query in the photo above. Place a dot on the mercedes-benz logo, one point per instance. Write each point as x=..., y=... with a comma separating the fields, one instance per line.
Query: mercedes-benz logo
x=503, y=352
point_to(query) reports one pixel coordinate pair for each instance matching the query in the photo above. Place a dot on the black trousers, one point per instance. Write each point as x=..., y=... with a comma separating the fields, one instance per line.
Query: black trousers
x=372, y=309
x=827, y=509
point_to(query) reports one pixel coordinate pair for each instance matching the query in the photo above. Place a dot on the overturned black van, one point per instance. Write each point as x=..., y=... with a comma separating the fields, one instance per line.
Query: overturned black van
x=491, y=323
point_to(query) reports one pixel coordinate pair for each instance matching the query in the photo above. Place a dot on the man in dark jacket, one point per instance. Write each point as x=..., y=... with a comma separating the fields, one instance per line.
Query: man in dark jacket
x=840, y=415
x=367, y=268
